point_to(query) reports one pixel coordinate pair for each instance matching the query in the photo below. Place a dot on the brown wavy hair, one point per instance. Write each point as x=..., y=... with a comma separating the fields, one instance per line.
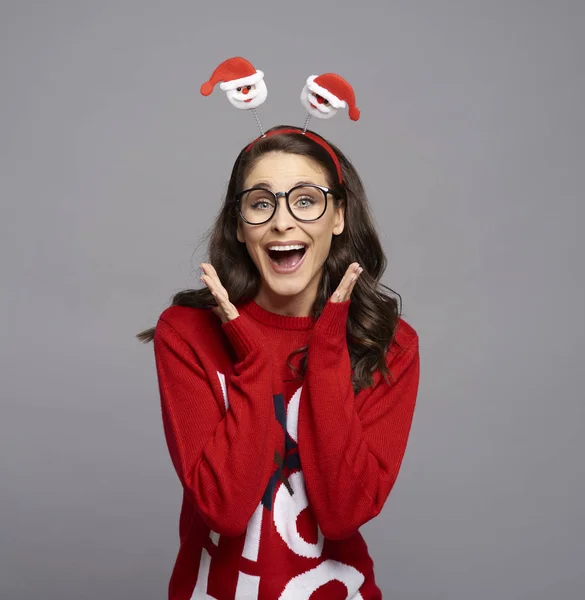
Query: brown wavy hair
x=373, y=314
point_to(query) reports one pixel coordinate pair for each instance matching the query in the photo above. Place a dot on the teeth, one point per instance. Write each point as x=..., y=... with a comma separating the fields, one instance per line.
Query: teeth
x=295, y=247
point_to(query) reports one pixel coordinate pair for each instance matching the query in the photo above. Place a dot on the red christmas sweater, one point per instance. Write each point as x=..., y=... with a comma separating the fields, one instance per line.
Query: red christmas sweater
x=278, y=473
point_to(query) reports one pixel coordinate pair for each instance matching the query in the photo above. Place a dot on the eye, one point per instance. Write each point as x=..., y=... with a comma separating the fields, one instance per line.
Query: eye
x=326, y=102
x=249, y=87
x=307, y=200
x=261, y=205
x=239, y=89
x=258, y=200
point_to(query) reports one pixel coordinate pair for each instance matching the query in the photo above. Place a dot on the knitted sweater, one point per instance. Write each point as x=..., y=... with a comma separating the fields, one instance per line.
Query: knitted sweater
x=278, y=473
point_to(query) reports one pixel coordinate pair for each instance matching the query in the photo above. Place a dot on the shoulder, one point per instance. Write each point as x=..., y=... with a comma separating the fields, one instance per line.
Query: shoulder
x=406, y=334
x=405, y=343
x=188, y=323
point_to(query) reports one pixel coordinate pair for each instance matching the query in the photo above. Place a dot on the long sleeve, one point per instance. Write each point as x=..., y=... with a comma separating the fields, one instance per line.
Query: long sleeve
x=351, y=460
x=224, y=461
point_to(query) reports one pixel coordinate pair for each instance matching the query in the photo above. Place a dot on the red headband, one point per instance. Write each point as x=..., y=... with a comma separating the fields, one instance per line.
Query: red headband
x=311, y=136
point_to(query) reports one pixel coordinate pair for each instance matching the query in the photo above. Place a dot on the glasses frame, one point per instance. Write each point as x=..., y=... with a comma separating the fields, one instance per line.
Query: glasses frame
x=326, y=191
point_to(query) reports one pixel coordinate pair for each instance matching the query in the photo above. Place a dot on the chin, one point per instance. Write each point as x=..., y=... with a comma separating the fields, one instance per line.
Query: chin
x=245, y=105
x=283, y=285
x=288, y=290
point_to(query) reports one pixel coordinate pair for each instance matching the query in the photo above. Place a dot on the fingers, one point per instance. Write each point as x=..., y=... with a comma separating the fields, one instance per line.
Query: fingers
x=347, y=283
x=210, y=278
x=351, y=277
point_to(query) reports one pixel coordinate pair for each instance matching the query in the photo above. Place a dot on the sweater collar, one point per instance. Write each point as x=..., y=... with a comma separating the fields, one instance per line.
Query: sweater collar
x=272, y=319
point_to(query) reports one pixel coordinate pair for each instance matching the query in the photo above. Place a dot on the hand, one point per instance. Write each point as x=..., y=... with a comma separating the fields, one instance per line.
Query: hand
x=345, y=287
x=225, y=310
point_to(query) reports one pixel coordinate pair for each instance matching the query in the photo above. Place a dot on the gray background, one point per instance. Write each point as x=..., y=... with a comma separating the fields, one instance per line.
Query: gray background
x=471, y=146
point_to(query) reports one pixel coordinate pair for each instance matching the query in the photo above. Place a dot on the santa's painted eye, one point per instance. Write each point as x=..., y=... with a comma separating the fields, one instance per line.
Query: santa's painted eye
x=326, y=102
x=239, y=89
x=249, y=87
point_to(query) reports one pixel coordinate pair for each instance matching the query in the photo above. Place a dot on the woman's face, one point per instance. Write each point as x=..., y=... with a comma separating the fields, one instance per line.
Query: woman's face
x=279, y=172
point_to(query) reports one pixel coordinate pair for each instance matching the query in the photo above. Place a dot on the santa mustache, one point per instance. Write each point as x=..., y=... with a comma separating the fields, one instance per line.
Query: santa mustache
x=315, y=104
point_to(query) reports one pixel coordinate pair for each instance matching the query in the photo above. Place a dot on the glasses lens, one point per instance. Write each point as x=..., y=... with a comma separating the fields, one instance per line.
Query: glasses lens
x=257, y=206
x=307, y=203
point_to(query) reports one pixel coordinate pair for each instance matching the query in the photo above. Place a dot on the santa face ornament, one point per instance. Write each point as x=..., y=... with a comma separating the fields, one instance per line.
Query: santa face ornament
x=316, y=105
x=323, y=95
x=243, y=84
x=248, y=96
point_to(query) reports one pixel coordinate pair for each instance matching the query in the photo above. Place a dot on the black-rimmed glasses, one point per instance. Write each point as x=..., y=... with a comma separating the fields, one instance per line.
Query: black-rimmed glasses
x=306, y=202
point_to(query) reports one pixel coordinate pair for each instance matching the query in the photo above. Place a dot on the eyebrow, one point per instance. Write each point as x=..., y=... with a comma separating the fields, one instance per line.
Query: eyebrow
x=268, y=186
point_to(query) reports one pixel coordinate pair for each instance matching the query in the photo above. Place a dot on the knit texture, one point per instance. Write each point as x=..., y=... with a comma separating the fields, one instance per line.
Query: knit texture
x=278, y=473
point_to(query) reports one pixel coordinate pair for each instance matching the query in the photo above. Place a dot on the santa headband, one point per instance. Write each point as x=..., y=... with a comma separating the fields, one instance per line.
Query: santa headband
x=322, y=96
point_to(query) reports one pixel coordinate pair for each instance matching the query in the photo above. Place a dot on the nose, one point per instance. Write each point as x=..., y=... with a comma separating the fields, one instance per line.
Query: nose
x=245, y=90
x=282, y=219
x=320, y=100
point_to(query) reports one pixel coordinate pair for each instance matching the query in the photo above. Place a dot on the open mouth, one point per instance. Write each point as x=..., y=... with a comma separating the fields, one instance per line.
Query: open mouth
x=286, y=260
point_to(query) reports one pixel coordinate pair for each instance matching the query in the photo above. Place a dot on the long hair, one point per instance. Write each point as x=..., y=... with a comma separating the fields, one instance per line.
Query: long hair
x=373, y=314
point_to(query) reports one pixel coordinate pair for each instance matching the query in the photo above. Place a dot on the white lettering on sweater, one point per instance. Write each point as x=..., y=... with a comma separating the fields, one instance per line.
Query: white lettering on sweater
x=285, y=513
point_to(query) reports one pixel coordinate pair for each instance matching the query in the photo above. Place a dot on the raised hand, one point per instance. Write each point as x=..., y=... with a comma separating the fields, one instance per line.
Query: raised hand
x=347, y=283
x=225, y=310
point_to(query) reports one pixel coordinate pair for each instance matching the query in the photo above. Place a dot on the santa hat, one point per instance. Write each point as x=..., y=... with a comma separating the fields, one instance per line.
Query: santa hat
x=234, y=73
x=336, y=90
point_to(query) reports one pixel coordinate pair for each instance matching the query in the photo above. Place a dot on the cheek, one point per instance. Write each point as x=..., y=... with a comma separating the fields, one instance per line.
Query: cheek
x=323, y=248
x=234, y=99
x=322, y=244
x=253, y=243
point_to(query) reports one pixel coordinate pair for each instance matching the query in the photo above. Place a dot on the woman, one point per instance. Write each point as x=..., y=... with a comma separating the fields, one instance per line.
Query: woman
x=282, y=424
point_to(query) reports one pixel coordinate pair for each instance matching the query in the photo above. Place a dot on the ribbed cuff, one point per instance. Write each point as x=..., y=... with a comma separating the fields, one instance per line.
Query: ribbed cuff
x=243, y=336
x=332, y=321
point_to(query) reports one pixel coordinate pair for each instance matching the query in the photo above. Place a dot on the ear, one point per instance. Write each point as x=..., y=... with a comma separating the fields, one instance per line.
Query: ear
x=239, y=232
x=339, y=219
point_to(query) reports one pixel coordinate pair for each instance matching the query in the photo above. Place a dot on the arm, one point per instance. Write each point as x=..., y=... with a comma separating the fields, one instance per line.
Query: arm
x=223, y=461
x=351, y=461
